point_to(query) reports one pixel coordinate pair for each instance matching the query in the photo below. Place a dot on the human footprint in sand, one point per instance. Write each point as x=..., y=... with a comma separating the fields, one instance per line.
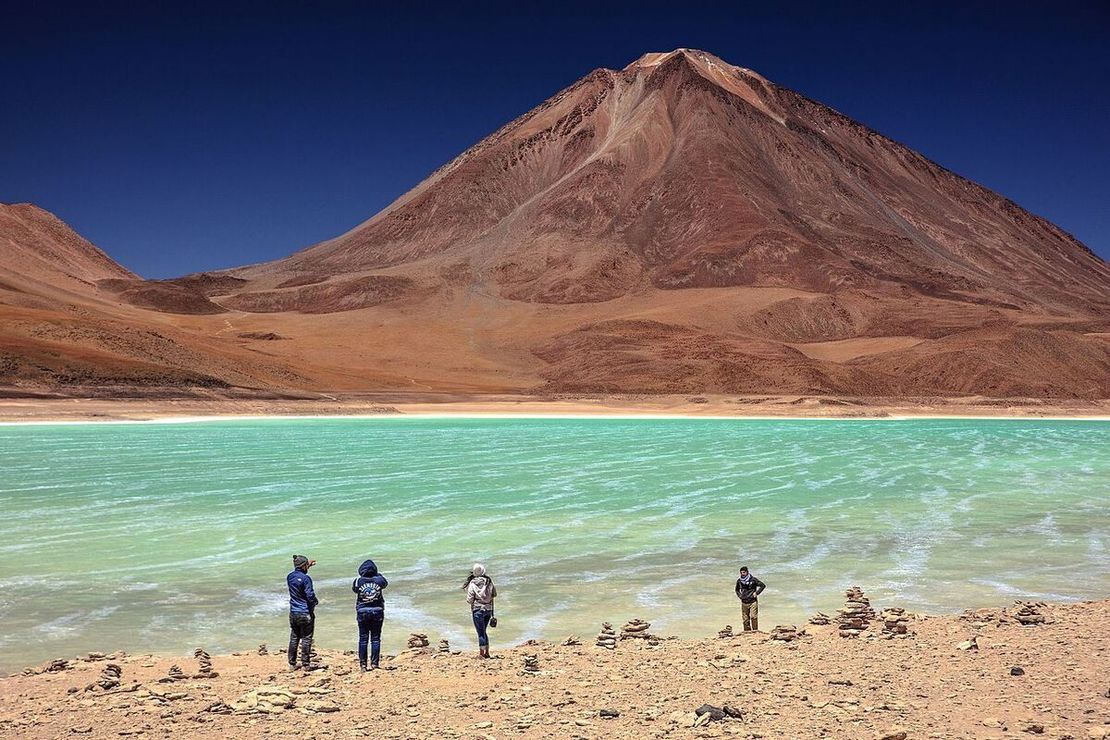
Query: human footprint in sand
x=302, y=611
x=370, y=611
x=480, y=593
x=748, y=589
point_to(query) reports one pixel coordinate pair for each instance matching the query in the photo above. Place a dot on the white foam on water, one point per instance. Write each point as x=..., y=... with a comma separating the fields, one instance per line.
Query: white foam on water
x=72, y=623
x=263, y=603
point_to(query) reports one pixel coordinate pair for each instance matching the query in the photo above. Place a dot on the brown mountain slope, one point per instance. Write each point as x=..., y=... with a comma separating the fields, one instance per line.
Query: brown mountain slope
x=628, y=194
x=681, y=225
x=59, y=328
x=683, y=171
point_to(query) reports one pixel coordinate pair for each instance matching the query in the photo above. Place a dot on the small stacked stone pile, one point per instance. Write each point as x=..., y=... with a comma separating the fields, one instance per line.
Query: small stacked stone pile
x=856, y=614
x=444, y=646
x=57, y=665
x=896, y=623
x=786, y=633
x=531, y=665
x=571, y=641
x=175, y=674
x=820, y=618
x=725, y=633
x=263, y=650
x=205, y=660
x=418, y=640
x=607, y=638
x=109, y=677
x=1028, y=613
x=635, y=629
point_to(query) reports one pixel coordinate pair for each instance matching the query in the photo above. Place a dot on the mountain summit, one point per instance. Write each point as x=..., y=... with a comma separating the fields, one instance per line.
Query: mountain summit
x=681, y=225
x=684, y=171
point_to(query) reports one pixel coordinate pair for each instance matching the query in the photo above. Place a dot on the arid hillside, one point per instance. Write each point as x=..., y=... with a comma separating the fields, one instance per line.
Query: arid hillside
x=679, y=226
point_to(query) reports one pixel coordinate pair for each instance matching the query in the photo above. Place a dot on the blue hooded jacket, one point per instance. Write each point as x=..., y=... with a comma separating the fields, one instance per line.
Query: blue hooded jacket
x=302, y=599
x=368, y=587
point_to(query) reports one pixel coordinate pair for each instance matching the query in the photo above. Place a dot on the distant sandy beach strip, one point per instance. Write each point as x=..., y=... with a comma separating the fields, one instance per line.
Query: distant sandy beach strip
x=393, y=405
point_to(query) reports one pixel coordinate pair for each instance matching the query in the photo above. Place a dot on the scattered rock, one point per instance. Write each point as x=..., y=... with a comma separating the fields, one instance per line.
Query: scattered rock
x=714, y=713
x=108, y=679
x=174, y=674
x=1017, y=671
x=971, y=644
x=635, y=629
x=205, y=660
x=1028, y=613
x=786, y=633
x=571, y=641
x=608, y=714
x=1033, y=728
x=896, y=622
x=607, y=638
x=896, y=735
x=857, y=613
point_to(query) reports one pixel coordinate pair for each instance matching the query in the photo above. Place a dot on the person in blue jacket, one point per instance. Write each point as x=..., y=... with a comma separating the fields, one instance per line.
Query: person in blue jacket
x=302, y=611
x=370, y=611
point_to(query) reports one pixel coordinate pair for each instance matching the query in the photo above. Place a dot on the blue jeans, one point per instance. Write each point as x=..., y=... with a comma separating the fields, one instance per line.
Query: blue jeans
x=481, y=622
x=370, y=630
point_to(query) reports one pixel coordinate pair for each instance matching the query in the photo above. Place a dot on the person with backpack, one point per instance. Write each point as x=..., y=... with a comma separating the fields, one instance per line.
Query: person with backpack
x=748, y=589
x=302, y=611
x=369, y=611
x=480, y=593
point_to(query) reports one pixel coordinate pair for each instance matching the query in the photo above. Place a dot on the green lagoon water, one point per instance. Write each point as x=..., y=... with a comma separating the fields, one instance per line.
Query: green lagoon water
x=165, y=536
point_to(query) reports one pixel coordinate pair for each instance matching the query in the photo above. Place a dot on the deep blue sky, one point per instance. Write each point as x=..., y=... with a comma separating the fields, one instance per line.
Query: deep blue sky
x=181, y=139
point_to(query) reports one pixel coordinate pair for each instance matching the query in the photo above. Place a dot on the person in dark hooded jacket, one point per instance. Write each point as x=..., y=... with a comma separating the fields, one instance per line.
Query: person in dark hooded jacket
x=370, y=611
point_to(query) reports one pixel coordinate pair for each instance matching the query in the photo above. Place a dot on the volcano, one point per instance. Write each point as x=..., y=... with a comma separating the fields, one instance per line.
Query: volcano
x=681, y=225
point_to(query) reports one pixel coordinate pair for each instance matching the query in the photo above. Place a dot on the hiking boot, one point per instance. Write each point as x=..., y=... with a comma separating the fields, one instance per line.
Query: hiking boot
x=293, y=667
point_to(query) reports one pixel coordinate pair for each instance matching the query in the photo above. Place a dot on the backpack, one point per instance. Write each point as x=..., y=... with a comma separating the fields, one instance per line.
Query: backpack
x=369, y=596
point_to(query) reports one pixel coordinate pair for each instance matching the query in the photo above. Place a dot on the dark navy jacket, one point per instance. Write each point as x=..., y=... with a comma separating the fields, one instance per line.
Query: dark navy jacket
x=302, y=599
x=366, y=596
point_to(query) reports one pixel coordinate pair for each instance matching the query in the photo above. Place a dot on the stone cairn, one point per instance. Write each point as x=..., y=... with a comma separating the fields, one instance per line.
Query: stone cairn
x=418, y=640
x=786, y=633
x=263, y=650
x=820, y=618
x=896, y=622
x=635, y=629
x=725, y=633
x=444, y=646
x=856, y=614
x=1028, y=613
x=571, y=641
x=175, y=674
x=205, y=661
x=607, y=638
x=531, y=665
x=109, y=678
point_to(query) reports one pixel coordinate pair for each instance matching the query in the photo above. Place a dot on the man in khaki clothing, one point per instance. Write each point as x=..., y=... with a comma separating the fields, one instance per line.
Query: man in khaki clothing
x=748, y=588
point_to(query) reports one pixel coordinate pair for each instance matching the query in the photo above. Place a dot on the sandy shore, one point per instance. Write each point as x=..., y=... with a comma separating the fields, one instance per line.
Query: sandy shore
x=56, y=408
x=1042, y=680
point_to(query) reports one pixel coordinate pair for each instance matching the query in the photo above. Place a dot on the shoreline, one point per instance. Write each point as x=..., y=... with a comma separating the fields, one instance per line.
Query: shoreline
x=460, y=406
x=984, y=673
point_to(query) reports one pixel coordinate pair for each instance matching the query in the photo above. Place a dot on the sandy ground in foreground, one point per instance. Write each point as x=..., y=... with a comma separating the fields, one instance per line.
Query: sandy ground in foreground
x=1047, y=680
x=106, y=409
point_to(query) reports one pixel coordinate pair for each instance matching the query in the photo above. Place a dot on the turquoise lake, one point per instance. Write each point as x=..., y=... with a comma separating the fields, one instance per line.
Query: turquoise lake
x=165, y=536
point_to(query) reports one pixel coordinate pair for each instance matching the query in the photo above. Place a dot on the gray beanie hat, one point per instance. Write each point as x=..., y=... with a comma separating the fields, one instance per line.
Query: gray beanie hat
x=299, y=561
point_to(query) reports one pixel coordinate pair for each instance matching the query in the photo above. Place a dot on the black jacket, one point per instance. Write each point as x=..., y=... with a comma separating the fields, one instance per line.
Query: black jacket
x=749, y=593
